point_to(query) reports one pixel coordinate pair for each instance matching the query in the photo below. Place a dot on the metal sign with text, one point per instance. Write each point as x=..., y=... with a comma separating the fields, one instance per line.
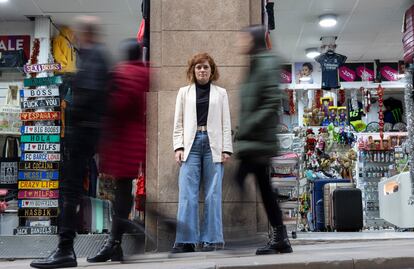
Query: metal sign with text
x=40, y=92
x=38, y=194
x=46, y=81
x=29, y=116
x=32, y=104
x=38, y=166
x=39, y=184
x=38, y=175
x=41, y=157
x=37, y=212
x=38, y=203
x=35, y=230
x=37, y=68
x=40, y=138
x=45, y=147
x=40, y=129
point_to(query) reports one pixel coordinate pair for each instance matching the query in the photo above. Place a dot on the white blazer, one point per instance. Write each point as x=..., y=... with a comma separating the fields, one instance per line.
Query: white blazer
x=218, y=121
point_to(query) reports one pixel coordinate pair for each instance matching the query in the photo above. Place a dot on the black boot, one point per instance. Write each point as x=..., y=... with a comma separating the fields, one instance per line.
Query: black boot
x=61, y=257
x=111, y=250
x=278, y=243
x=183, y=248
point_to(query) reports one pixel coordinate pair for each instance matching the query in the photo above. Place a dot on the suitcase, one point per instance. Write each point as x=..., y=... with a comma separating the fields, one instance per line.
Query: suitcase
x=95, y=215
x=347, y=209
x=317, y=205
x=327, y=201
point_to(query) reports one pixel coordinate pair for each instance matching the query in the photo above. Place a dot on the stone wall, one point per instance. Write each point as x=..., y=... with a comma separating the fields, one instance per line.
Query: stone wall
x=179, y=29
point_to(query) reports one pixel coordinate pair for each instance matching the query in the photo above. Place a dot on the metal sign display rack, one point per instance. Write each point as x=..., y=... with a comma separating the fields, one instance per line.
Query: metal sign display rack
x=39, y=173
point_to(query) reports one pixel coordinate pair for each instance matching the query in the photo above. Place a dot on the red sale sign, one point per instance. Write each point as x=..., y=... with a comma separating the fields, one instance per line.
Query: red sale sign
x=15, y=42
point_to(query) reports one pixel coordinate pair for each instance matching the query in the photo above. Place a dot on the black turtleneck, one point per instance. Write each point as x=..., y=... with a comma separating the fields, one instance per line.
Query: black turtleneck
x=203, y=99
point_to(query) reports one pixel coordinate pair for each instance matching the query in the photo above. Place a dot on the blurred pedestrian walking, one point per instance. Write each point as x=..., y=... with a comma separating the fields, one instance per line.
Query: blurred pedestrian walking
x=256, y=137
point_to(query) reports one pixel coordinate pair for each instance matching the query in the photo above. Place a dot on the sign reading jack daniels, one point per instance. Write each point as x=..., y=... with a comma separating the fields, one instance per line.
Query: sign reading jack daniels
x=35, y=230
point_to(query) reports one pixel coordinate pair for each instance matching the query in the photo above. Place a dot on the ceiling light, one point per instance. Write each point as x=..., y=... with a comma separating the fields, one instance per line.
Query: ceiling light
x=328, y=20
x=312, y=53
x=4, y=1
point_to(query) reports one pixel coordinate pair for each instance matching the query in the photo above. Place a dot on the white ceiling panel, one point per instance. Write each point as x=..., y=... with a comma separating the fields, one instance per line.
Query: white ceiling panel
x=57, y=6
x=294, y=5
x=113, y=6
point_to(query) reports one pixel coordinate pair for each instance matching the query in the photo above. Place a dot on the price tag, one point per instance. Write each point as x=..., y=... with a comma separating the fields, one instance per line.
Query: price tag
x=40, y=139
x=46, y=81
x=38, y=203
x=49, y=102
x=34, y=147
x=37, y=212
x=29, y=116
x=37, y=68
x=35, y=230
x=38, y=166
x=38, y=194
x=38, y=175
x=41, y=157
x=40, y=92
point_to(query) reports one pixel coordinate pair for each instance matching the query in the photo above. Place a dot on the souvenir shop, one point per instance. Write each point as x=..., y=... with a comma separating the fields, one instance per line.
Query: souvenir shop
x=344, y=140
x=35, y=94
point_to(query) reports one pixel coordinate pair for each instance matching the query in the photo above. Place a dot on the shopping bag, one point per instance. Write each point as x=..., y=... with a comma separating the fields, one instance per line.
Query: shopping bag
x=9, y=163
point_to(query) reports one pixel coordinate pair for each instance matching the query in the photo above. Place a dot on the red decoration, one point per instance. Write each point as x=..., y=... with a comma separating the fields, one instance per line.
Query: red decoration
x=292, y=103
x=366, y=98
x=35, y=54
x=318, y=96
x=342, y=97
x=380, y=93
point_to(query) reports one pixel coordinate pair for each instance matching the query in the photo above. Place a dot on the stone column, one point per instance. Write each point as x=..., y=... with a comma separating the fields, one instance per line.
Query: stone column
x=179, y=29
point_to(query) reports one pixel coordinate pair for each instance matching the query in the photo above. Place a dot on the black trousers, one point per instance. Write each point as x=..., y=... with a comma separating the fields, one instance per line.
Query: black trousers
x=122, y=207
x=269, y=197
x=80, y=148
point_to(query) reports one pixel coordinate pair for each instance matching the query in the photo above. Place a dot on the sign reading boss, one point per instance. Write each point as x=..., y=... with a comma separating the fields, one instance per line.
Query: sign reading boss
x=15, y=42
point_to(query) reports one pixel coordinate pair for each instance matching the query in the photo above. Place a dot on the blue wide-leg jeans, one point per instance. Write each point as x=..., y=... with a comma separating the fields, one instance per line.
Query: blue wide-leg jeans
x=199, y=165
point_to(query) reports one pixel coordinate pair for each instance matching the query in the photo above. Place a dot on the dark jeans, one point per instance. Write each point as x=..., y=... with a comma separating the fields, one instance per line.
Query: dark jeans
x=81, y=146
x=269, y=197
x=122, y=207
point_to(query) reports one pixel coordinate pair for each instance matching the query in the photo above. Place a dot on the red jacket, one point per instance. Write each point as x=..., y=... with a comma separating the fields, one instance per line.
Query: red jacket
x=123, y=144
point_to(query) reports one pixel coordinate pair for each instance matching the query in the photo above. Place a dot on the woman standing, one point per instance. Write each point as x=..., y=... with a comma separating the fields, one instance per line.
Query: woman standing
x=123, y=141
x=256, y=138
x=202, y=143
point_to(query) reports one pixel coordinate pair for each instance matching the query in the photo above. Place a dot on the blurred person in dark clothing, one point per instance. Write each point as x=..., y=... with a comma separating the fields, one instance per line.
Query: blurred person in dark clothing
x=123, y=144
x=256, y=138
x=82, y=135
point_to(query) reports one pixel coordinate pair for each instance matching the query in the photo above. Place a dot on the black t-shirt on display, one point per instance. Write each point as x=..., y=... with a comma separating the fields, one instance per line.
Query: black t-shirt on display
x=330, y=62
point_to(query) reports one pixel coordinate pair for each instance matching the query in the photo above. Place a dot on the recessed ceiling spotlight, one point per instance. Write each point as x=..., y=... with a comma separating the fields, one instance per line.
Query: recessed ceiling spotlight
x=312, y=53
x=327, y=20
x=4, y=1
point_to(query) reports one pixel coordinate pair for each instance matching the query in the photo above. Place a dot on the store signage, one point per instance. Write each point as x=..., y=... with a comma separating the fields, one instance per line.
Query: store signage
x=34, y=147
x=38, y=175
x=38, y=166
x=40, y=138
x=35, y=230
x=37, y=68
x=40, y=129
x=286, y=73
x=40, y=92
x=41, y=157
x=37, y=212
x=353, y=72
x=39, y=184
x=46, y=81
x=14, y=43
x=29, y=116
x=50, y=102
x=38, y=203
x=389, y=71
x=38, y=194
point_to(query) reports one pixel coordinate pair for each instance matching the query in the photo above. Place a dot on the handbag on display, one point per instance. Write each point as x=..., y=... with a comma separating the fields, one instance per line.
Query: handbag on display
x=9, y=163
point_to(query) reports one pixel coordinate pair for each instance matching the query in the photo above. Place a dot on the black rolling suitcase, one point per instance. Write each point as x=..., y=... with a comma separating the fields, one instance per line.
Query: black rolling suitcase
x=347, y=209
